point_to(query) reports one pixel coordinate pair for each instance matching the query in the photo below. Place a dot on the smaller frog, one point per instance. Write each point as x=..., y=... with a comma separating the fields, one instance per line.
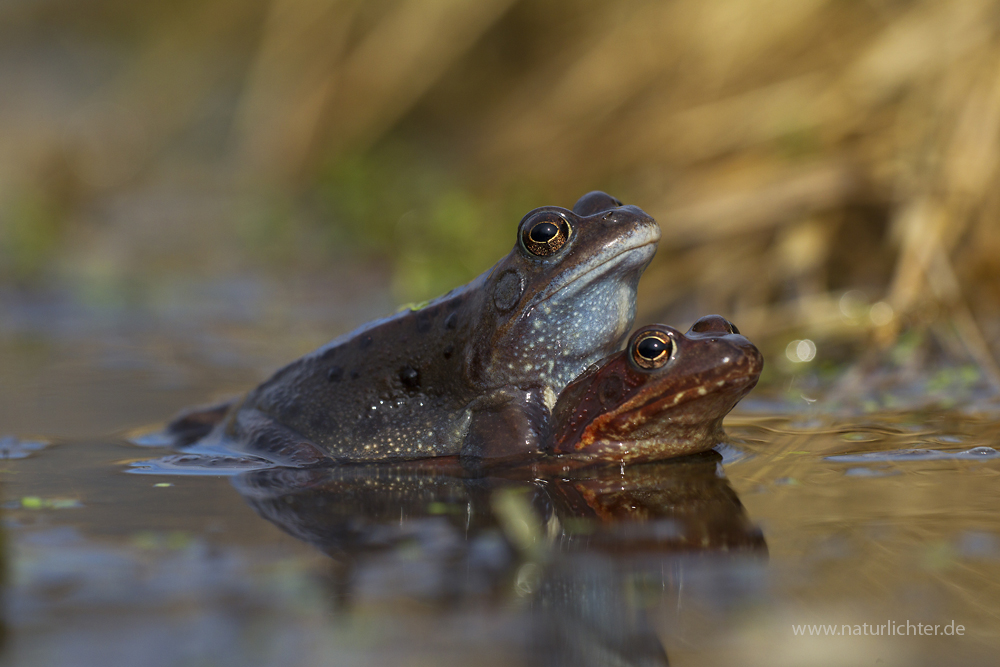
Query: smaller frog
x=664, y=395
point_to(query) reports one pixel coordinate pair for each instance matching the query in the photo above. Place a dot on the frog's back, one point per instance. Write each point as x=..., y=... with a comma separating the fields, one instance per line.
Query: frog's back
x=394, y=388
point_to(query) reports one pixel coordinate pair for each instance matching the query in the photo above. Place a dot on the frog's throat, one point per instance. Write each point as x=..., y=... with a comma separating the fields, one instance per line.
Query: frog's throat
x=601, y=268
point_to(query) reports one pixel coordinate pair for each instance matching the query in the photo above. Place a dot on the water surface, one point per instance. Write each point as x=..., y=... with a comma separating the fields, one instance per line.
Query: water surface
x=801, y=518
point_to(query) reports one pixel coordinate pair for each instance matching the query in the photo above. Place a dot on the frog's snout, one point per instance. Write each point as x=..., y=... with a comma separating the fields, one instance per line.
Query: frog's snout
x=755, y=360
x=625, y=215
x=746, y=355
x=727, y=343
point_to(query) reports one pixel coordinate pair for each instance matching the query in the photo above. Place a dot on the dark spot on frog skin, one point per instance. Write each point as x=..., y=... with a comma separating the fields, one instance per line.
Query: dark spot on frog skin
x=410, y=377
x=451, y=321
x=611, y=390
x=355, y=375
x=508, y=291
x=335, y=374
x=365, y=342
x=449, y=350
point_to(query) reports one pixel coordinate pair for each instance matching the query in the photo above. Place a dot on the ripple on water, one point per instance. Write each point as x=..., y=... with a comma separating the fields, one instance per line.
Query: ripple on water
x=979, y=544
x=14, y=448
x=732, y=454
x=869, y=472
x=198, y=464
x=895, y=455
x=144, y=438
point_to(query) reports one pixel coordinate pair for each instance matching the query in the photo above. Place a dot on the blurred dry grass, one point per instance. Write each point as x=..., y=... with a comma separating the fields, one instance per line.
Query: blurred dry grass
x=820, y=168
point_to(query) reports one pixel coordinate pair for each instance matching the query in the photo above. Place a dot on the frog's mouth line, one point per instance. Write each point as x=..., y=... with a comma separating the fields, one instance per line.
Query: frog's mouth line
x=742, y=383
x=604, y=267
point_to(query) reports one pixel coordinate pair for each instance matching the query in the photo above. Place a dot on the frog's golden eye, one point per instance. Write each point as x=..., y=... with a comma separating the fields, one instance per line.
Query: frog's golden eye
x=652, y=350
x=545, y=234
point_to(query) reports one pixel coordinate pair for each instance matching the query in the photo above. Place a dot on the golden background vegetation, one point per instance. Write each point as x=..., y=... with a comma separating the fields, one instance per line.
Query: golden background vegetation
x=822, y=170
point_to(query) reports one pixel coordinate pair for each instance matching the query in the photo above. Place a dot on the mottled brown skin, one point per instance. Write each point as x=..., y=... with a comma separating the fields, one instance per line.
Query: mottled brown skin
x=618, y=411
x=473, y=374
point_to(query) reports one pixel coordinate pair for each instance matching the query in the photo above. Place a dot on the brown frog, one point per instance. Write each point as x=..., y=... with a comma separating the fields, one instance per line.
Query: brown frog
x=473, y=373
x=664, y=395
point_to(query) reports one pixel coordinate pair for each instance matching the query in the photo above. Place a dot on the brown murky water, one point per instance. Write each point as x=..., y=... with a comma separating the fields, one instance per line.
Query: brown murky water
x=858, y=524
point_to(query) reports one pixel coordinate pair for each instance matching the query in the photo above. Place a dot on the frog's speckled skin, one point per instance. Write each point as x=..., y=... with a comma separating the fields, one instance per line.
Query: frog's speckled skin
x=619, y=412
x=474, y=372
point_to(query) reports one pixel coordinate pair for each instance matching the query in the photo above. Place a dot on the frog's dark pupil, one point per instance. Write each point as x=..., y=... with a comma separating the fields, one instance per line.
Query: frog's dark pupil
x=543, y=232
x=651, y=348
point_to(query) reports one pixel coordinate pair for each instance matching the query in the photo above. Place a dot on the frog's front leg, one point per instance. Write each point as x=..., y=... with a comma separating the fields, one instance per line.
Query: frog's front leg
x=193, y=424
x=259, y=434
x=507, y=424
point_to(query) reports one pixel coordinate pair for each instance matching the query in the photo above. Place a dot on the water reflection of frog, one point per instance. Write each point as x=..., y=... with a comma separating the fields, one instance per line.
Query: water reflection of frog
x=443, y=379
x=589, y=549
x=346, y=511
x=664, y=395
